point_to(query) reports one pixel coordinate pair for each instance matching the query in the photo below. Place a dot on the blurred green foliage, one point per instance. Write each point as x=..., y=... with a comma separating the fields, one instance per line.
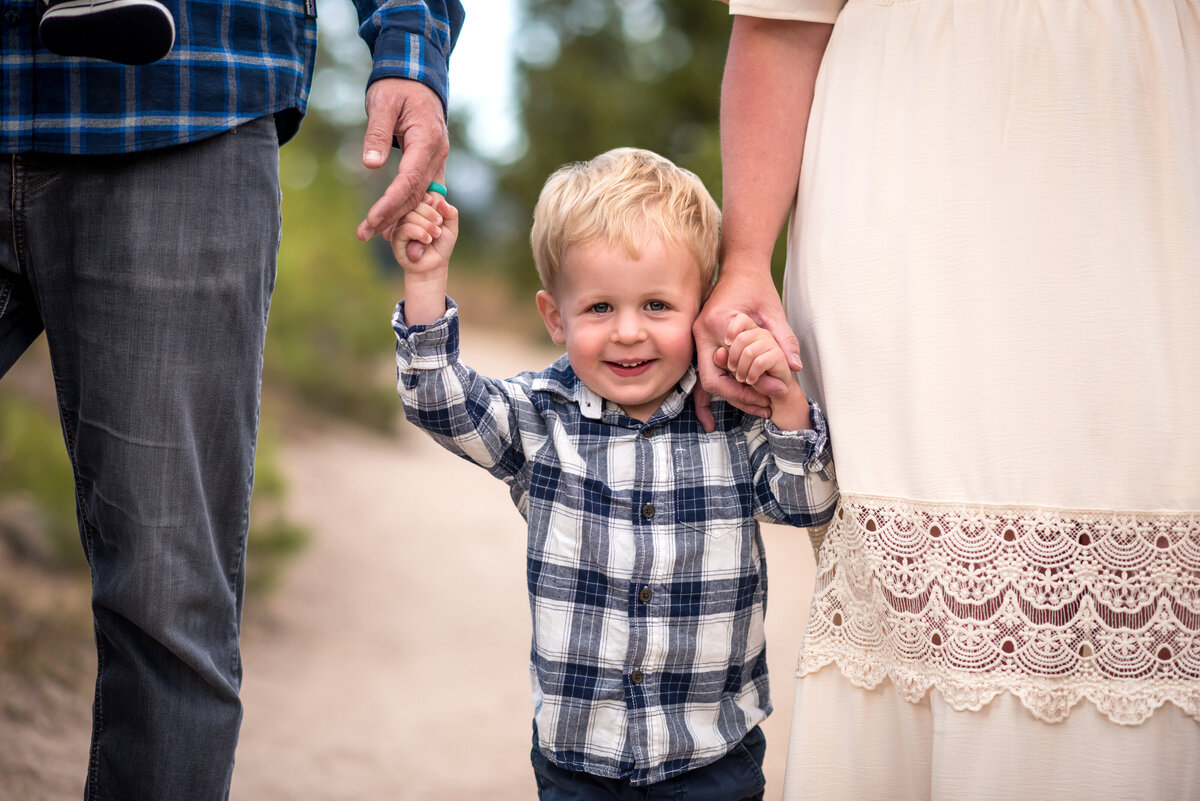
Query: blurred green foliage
x=328, y=340
x=599, y=74
x=36, y=476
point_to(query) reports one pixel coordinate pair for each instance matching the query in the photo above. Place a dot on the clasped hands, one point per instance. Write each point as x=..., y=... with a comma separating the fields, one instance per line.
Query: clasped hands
x=412, y=114
x=745, y=351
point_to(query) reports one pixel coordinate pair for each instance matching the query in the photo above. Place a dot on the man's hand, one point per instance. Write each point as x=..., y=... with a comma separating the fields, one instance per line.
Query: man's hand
x=412, y=113
x=752, y=294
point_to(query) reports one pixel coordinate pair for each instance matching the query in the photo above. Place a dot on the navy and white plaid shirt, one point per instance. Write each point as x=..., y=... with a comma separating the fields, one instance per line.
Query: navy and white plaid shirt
x=647, y=581
x=233, y=61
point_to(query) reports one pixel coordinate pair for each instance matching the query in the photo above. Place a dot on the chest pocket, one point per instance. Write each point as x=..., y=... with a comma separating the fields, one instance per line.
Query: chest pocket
x=715, y=535
x=570, y=520
x=707, y=495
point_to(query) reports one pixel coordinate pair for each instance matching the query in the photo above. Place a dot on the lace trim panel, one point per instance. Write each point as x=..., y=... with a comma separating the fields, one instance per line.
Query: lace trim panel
x=1052, y=605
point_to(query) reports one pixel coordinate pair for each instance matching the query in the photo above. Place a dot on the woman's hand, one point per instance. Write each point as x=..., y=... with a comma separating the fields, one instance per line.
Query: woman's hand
x=749, y=293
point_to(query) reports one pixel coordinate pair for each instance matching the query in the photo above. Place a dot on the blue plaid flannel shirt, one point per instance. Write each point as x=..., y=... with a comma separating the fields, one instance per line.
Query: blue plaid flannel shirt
x=233, y=61
x=647, y=580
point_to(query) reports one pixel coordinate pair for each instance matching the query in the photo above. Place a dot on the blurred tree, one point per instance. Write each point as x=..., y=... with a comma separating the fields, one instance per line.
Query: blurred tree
x=328, y=339
x=598, y=74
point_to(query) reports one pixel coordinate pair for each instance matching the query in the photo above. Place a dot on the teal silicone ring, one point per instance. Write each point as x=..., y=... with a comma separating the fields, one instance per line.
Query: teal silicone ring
x=434, y=186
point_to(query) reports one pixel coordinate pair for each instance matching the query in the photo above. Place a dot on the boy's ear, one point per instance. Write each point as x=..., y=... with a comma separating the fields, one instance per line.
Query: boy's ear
x=551, y=316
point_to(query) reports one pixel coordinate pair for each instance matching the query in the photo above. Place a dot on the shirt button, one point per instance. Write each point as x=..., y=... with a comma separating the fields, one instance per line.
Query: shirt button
x=648, y=511
x=647, y=433
x=645, y=595
x=636, y=676
x=12, y=16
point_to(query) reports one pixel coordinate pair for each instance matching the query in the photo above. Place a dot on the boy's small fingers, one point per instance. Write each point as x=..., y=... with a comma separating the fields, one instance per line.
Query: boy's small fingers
x=428, y=212
x=755, y=371
x=416, y=233
x=736, y=325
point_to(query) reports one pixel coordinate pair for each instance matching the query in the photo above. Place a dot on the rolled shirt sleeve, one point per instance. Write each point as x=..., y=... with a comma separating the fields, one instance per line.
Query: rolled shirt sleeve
x=411, y=39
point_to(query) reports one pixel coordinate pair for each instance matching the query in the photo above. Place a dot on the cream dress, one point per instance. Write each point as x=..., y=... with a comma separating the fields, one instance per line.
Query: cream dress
x=995, y=272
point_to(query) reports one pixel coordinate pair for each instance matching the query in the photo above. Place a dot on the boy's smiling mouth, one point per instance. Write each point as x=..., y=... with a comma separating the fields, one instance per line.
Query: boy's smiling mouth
x=630, y=368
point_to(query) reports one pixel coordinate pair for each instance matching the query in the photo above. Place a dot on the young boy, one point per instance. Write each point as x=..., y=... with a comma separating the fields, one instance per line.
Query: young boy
x=645, y=570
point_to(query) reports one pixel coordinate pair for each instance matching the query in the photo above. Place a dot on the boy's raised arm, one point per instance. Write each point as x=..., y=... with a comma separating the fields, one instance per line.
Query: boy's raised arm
x=434, y=222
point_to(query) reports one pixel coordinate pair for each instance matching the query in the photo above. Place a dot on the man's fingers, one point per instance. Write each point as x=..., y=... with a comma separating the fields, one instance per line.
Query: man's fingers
x=411, y=113
x=383, y=111
x=406, y=190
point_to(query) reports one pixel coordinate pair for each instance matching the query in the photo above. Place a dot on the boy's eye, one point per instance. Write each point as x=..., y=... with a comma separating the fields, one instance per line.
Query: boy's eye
x=600, y=308
x=656, y=305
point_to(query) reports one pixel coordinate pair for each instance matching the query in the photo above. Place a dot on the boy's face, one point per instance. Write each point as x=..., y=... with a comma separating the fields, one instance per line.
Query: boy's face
x=626, y=322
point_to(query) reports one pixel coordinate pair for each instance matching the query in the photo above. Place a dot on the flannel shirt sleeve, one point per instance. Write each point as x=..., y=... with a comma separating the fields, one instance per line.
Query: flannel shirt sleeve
x=411, y=39
x=470, y=415
x=794, y=479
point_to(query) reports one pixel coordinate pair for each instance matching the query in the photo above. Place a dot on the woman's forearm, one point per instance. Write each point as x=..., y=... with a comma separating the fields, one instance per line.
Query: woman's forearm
x=766, y=97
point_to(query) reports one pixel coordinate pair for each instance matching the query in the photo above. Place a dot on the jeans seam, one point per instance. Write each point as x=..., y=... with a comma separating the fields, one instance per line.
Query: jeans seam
x=15, y=203
x=88, y=541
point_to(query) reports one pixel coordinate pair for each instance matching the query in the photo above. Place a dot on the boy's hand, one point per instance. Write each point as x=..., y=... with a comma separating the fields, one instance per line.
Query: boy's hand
x=433, y=223
x=750, y=353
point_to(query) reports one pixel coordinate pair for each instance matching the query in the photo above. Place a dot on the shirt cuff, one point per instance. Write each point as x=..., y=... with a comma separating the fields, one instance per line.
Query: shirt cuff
x=413, y=41
x=805, y=451
x=426, y=347
x=804, y=10
x=432, y=71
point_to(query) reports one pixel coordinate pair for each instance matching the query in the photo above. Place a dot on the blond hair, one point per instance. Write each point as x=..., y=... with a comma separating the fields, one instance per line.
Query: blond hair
x=624, y=197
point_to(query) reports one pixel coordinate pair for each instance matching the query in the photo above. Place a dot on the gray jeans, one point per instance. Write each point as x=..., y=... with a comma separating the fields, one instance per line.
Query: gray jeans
x=151, y=275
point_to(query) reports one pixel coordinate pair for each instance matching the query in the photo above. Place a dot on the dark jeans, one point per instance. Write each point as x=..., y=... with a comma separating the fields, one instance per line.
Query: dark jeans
x=151, y=275
x=737, y=776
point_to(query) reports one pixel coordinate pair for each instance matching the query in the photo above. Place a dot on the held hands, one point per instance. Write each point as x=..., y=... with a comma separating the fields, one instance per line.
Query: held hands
x=749, y=352
x=750, y=355
x=412, y=113
x=750, y=293
x=433, y=226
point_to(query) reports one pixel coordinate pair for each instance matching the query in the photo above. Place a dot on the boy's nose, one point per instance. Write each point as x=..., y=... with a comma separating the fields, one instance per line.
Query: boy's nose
x=628, y=329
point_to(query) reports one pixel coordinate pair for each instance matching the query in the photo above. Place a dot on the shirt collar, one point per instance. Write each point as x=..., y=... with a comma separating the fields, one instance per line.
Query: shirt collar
x=560, y=379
